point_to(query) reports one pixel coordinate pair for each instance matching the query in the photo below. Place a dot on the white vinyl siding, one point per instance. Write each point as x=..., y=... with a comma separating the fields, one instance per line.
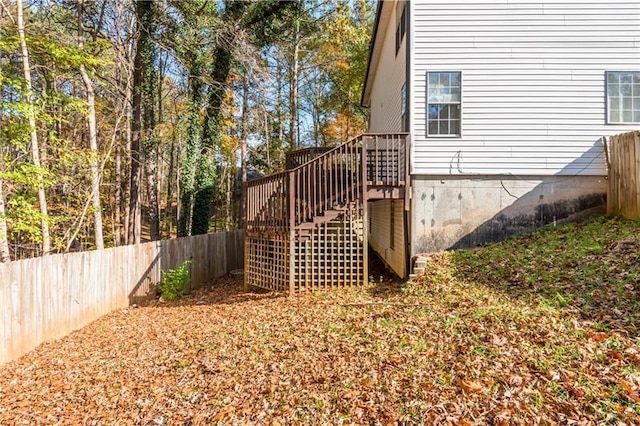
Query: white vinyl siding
x=534, y=75
x=386, y=93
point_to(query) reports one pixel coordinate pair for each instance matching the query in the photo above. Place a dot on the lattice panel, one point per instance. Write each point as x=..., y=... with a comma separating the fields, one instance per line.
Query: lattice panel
x=267, y=262
x=333, y=255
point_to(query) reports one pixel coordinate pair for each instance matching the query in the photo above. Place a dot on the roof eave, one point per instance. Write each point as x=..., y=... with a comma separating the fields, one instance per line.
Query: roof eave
x=366, y=90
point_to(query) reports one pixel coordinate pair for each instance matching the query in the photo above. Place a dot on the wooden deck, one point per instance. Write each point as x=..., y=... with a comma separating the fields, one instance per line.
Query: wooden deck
x=306, y=227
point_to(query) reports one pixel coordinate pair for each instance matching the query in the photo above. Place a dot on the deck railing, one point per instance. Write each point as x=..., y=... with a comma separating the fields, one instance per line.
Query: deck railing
x=332, y=180
x=301, y=156
x=387, y=159
x=268, y=203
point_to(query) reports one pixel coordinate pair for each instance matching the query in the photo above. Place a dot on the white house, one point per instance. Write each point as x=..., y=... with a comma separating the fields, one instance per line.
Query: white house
x=506, y=102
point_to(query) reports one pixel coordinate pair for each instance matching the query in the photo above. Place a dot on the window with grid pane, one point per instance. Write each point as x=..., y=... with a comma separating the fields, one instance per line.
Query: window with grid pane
x=623, y=97
x=444, y=96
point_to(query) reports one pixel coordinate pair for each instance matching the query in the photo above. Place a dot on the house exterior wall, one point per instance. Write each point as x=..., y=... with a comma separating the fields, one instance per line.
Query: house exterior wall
x=533, y=113
x=385, y=116
x=380, y=236
x=533, y=82
x=385, y=108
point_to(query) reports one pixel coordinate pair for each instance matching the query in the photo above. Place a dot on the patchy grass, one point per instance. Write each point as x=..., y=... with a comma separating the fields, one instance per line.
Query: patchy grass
x=541, y=329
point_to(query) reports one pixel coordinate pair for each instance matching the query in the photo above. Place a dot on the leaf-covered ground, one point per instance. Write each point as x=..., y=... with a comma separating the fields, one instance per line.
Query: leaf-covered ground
x=542, y=329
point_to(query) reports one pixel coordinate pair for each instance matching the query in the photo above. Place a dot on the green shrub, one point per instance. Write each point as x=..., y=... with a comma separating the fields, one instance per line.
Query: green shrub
x=174, y=281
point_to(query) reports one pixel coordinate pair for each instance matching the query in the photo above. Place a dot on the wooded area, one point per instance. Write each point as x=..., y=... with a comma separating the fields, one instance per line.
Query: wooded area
x=124, y=121
x=48, y=297
x=623, y=163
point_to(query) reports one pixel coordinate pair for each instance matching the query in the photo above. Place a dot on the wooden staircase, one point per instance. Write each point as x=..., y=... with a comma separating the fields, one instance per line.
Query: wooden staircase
x=306, y=227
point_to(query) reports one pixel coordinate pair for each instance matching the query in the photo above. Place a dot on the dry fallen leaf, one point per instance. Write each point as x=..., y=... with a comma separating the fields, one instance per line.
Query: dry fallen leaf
x=470, y=386
x=616, y=355
x=596, y=336
x=515, y=380
x=631, y=392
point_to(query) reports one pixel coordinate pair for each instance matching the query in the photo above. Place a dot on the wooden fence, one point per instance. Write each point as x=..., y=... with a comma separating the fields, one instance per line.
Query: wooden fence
x=48, y=297
x=623, y=161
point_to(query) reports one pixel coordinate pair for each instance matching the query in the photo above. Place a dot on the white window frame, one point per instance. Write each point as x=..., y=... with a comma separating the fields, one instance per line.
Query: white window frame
x=427, y=103
x=635, y=100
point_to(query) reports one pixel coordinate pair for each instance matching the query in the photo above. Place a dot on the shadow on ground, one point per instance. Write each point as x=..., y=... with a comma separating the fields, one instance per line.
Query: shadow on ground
x=228, y=290
x=224, y=291
x=385, y=283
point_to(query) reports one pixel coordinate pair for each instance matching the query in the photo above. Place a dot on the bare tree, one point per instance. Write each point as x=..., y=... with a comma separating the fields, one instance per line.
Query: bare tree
x=243, y=146
x=294, y=85
x=93, y=137
x=35, y=147
x=4, y=241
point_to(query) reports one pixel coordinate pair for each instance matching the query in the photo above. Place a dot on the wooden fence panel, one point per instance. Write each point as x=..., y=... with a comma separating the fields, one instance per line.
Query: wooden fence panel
x=235, y=244
x=48, y=297
x=623, y=154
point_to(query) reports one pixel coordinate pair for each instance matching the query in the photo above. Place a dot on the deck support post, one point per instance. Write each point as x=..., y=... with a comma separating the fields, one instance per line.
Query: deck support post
x=292, y=231
x=365, y=213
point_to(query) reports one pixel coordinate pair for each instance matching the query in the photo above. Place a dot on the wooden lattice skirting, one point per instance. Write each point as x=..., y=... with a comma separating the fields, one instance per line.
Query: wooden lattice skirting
x=331, y=255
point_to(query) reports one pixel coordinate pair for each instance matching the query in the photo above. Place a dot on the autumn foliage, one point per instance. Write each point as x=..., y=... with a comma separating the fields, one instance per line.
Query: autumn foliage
x=541, y=329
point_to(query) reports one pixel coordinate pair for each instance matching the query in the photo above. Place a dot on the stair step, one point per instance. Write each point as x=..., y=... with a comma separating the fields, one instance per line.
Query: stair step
x=306, y=226
x=328, y=216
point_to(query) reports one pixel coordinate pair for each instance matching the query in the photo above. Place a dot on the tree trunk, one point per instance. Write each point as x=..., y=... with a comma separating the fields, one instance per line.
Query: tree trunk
x=243, y=151
x=124, y=76
x=5, y=255
x=170, y=190
x=35, y=148
x=127, y=155
x=192, y=154
x=267, y=139
x=142, y=9
x=294, y=86
x=279, y=110
x=118, y=193
x=149, y=141
x=151, y=161
x=93, y=138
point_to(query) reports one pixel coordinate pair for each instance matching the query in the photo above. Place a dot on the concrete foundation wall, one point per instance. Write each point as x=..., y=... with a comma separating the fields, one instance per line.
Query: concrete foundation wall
x=453, y=212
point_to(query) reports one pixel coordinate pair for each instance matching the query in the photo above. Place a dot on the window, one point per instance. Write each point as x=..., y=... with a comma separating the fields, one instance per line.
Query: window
x=623, y=97
x=444, y=98
x=401, y=23
x=403, y=107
